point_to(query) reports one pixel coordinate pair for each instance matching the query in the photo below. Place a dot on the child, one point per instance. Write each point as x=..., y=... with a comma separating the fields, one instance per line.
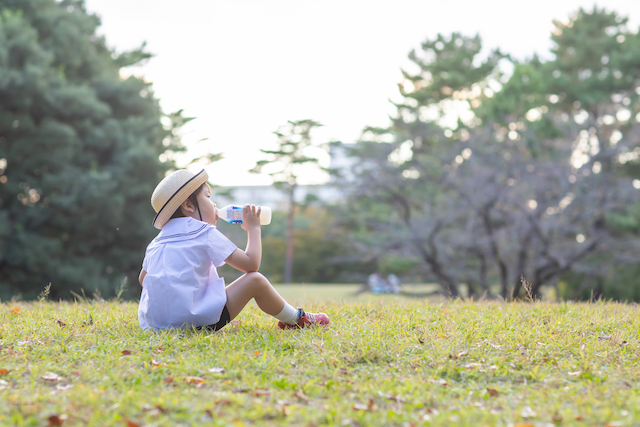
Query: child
x=180, y=284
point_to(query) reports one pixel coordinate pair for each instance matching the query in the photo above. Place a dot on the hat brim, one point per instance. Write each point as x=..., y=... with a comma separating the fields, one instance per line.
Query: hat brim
x=179, y=196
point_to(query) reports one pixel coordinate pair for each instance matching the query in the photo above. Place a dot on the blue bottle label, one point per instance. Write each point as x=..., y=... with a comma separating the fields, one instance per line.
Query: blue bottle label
x=235, y=215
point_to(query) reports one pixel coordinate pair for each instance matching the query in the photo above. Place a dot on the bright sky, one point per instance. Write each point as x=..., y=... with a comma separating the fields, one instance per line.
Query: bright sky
x=245, y=67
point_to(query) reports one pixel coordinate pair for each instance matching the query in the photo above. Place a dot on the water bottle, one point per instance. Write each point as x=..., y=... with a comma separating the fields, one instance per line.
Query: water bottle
x=233, y=214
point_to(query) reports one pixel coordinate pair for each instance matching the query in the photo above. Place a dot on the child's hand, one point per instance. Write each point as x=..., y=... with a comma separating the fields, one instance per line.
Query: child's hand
x=250, y=217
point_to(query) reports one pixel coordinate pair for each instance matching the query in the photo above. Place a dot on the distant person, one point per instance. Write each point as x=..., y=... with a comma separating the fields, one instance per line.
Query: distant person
x=394, y=283
x=376, y=283
x=180, y=283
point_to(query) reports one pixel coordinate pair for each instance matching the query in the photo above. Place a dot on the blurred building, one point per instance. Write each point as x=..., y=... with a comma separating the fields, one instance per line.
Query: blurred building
x=270, y=196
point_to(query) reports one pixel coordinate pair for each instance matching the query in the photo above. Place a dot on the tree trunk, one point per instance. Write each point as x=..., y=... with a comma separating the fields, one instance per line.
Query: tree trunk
x=288, y=263
x=521, y=266
x=502, y=267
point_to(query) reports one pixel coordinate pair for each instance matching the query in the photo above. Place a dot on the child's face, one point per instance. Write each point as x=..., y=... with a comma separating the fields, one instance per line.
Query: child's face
x=208, y=209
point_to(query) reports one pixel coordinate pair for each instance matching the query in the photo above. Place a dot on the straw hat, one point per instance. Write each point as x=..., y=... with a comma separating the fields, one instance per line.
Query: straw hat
x=172, y=191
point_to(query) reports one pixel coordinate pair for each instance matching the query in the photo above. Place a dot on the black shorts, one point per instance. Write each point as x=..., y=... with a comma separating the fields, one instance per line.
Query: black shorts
x=224, y=319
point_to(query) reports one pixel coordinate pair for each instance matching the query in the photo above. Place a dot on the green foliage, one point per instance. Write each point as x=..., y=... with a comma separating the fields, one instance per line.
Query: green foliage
x=377, y=364
x=493, y=168
x=286, y=163
x=79, y=149
x=294, y=141
x=321, y=254
x=447, y=65
x=398, y=265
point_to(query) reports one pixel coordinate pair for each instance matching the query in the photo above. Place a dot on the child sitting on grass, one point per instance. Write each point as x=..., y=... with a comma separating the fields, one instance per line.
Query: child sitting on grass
x=180, y=283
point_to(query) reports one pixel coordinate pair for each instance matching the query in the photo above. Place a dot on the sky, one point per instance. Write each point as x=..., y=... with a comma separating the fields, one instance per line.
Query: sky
x=243, y=68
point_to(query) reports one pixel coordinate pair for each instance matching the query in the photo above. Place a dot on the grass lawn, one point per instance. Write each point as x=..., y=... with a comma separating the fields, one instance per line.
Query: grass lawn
x=384, y=360
x=300, y=294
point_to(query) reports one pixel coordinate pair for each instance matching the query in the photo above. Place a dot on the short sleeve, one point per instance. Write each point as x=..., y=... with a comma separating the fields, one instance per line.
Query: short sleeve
x=220, y=247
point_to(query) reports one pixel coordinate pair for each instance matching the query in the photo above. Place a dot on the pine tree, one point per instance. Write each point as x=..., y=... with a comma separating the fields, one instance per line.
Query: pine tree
x=294, y=139
x=533, y=176
x=79, y=153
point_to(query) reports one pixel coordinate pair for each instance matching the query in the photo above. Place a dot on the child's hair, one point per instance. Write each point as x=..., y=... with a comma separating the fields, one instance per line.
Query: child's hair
x=192, y=198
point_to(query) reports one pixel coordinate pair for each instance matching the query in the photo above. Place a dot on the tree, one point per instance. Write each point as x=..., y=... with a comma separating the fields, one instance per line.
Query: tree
x=292, y=154
x=587, y=97
x=321, y=253
x=494, y=175
x=79, y=153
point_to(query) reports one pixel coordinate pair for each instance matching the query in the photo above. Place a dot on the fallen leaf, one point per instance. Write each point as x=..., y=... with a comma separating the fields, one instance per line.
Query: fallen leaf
x=350, y=422
x=442, y=336
x=131, y=423
x=524, y=425
x=4, y=371
x=63, y=387
x=493, y=392
x=159, y=350
x=260, y=392
x=624, y=344
x=216, y=370
x=195, y=380
x=360, y=406
x=574, y=374
x=300, y=395
x=156, y=363
x=420, y=340
x=155, y=410
x=497, y=347
x=579, y=418
x=15, y=310
x=208, y=414
x=61, y=323
x=126, y=352
x=236, y=323
x=556, y=418
x=528, y=412
x=167, y=380
x=50, y=376
x=604, y=338
x=3, y=384
x=257, y=353
x=56, y=420
x=224, y=402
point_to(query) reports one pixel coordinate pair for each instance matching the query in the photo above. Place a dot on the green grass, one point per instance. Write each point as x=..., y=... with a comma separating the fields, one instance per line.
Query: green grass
x=348, y=293
x=386, y=361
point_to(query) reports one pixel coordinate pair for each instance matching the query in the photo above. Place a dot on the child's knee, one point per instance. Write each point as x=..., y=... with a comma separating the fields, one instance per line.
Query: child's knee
x=258, y=279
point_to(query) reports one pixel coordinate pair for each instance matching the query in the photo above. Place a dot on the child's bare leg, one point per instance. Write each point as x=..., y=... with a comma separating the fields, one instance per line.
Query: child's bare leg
x=253, y=285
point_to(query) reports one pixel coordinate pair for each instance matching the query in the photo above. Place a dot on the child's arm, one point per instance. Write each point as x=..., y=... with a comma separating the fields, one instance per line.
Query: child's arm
x=141, y=277
x=249, y=259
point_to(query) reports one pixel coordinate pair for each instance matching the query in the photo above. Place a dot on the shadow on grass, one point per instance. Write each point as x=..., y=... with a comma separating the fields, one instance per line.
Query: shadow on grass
x=364, y=289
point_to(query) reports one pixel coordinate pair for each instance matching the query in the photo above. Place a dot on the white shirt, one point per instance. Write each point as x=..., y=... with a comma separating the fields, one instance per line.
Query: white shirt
x=182, y=287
